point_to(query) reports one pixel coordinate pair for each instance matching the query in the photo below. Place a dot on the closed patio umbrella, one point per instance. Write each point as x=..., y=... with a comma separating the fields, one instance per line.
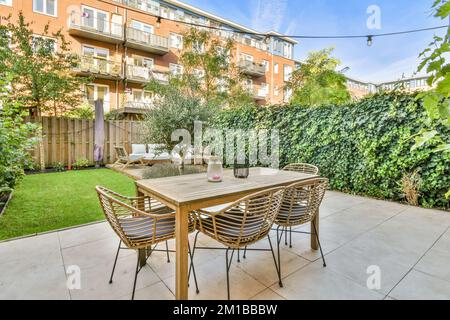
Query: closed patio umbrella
x=99, y=132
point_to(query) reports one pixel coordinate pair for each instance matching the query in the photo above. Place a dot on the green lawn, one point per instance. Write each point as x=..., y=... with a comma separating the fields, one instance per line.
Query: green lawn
x=44, y=202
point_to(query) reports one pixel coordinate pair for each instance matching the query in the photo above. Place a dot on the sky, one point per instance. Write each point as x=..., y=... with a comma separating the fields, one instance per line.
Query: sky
x=388, y=59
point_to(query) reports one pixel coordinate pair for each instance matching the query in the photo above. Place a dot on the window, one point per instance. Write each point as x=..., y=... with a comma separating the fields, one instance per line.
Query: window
x=6, y=2
x=287, y=94
x=95, y=59
x=141, y=26
x=96, y=19
x=247, y=57
x=200, y=74
x=275, y=68
x=264, y=90
x=266, y=64
x=198, y=47
x=141, y=96
x=276, y=91
x=44, y=6
x=141, y=61
x=95, y=92
x=176, y=69
x=40, y=42
x=176, y=41
x=248, y=84
x=287, y=73
x=95, y=52
x=287, y=50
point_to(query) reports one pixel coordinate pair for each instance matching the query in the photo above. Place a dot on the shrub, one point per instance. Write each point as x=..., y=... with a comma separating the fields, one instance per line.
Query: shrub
x=58, y=167
x=81, y=163
x=363, y=148
x=170, y=170
x=15, y=143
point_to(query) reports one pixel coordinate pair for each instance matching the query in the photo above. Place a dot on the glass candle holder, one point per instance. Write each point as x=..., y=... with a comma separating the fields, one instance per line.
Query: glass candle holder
x=215, y=170
x=241, y=171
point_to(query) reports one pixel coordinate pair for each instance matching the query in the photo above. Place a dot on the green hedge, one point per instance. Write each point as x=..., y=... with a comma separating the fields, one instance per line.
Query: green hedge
x=363, y=148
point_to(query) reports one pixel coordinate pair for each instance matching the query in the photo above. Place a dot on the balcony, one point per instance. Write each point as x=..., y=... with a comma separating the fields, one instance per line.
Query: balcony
x=135, y=107
x=140, y=74
x=260, y=95
x=148, y=42
x=81, y=25
x=252, y=68
x=101, y=68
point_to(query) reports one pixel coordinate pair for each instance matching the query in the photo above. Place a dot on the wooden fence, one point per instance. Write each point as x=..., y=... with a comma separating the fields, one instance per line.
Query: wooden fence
x=68, y=140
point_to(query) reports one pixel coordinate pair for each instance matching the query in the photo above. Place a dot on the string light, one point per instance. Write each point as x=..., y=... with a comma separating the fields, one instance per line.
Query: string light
x=158, y=22
x=266, y=36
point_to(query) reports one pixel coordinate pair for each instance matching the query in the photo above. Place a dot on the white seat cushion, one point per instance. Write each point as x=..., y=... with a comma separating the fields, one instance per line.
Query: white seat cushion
x=138, y=149
x=157, y=157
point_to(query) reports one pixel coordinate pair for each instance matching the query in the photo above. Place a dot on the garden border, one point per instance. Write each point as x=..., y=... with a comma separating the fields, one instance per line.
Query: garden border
x=6, y=203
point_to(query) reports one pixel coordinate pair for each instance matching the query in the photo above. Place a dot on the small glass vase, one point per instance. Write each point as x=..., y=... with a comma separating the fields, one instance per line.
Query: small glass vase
x=215, y=170
x=241, y=170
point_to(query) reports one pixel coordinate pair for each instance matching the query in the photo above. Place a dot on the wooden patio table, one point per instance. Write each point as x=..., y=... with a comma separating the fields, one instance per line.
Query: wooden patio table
x=191, y=192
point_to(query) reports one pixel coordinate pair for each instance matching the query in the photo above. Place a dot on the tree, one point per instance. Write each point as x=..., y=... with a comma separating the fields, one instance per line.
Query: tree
x=40, y=69
x=317, y=82
x=208, y=71
x=173, y=109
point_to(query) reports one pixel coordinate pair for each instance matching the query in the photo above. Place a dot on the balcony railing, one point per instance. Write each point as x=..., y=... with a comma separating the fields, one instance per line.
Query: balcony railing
x=137, y=105
x=143, y=74
x=142, y=40
x=142, y=5
x=100, y=67
x=260, y=94
x=84, y=25
x=252, y=68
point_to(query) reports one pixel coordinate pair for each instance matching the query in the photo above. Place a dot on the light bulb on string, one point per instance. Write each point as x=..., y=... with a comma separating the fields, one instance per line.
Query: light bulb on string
x=369, y=41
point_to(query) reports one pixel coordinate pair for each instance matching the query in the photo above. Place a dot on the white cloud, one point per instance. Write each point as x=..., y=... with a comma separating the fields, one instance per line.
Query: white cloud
x=268, y=14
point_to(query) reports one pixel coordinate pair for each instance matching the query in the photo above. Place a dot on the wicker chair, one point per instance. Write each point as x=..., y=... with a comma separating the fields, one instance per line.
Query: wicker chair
x=303, y=168
x=300, y=205
x=241, y=224
x=141, y=223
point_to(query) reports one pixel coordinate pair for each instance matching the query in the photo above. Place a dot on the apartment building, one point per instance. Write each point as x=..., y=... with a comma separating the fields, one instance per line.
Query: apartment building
x=359, y=89
x=124, y=43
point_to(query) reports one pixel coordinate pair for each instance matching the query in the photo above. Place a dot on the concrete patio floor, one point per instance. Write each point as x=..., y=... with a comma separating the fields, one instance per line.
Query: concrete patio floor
x=409, y=245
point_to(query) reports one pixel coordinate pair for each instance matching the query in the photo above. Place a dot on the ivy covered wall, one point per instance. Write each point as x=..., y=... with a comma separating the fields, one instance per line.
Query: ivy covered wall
x=363, y=148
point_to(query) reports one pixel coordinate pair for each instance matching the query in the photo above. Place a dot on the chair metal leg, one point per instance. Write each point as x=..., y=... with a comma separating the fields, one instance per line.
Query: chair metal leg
x=228, y=266
x=245, y=253
x=279, y=259
x=193, y=269
x=285, y=236
x=135, y=277
x=318, y=241
x=193, y=252
x=167, y=252
x=279, y=235
x=115, y=262
x=290, y=237
x=277, y=265
x=238, y=257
